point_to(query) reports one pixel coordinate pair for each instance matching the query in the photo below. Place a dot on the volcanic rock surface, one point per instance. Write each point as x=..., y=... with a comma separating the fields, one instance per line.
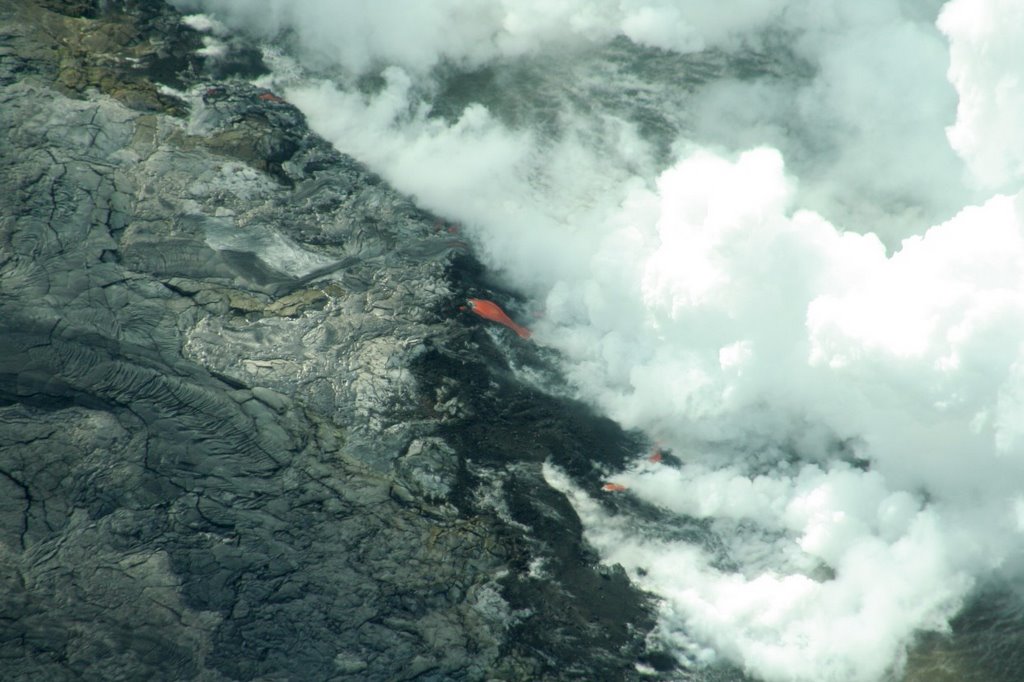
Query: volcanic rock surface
x=245, y=432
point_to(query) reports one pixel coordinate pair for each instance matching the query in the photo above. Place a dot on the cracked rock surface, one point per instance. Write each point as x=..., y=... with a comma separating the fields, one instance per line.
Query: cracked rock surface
x=244, y=432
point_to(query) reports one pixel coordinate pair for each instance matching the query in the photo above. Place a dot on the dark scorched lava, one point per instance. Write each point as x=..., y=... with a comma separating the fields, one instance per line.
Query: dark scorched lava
x=244, y=431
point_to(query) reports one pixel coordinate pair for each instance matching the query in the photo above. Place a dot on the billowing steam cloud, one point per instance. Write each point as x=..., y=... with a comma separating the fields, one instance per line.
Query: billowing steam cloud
x=780, y=257
x=867, y=91
x=987, y=68
x=416, y=35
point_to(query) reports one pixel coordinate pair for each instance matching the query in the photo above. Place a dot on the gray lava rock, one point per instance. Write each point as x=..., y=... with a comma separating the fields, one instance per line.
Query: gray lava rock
x=429, y=469
x=235, y=404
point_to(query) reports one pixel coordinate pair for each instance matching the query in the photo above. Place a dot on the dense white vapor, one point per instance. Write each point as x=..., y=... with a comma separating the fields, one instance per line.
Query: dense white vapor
x=361, y=34
x=786, y=626
x=811, y=280
x=866, y=129
x=987, y=68
x=914, y=354
x=878, y=95
x=758, y=320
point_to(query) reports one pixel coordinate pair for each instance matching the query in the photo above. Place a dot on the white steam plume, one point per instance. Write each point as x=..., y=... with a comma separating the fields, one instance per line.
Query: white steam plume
x=987, y=67
x=359, y=34
x=866, y=114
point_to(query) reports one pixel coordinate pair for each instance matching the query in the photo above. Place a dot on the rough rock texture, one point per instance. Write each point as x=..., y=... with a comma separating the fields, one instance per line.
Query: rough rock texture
x=244, y=431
